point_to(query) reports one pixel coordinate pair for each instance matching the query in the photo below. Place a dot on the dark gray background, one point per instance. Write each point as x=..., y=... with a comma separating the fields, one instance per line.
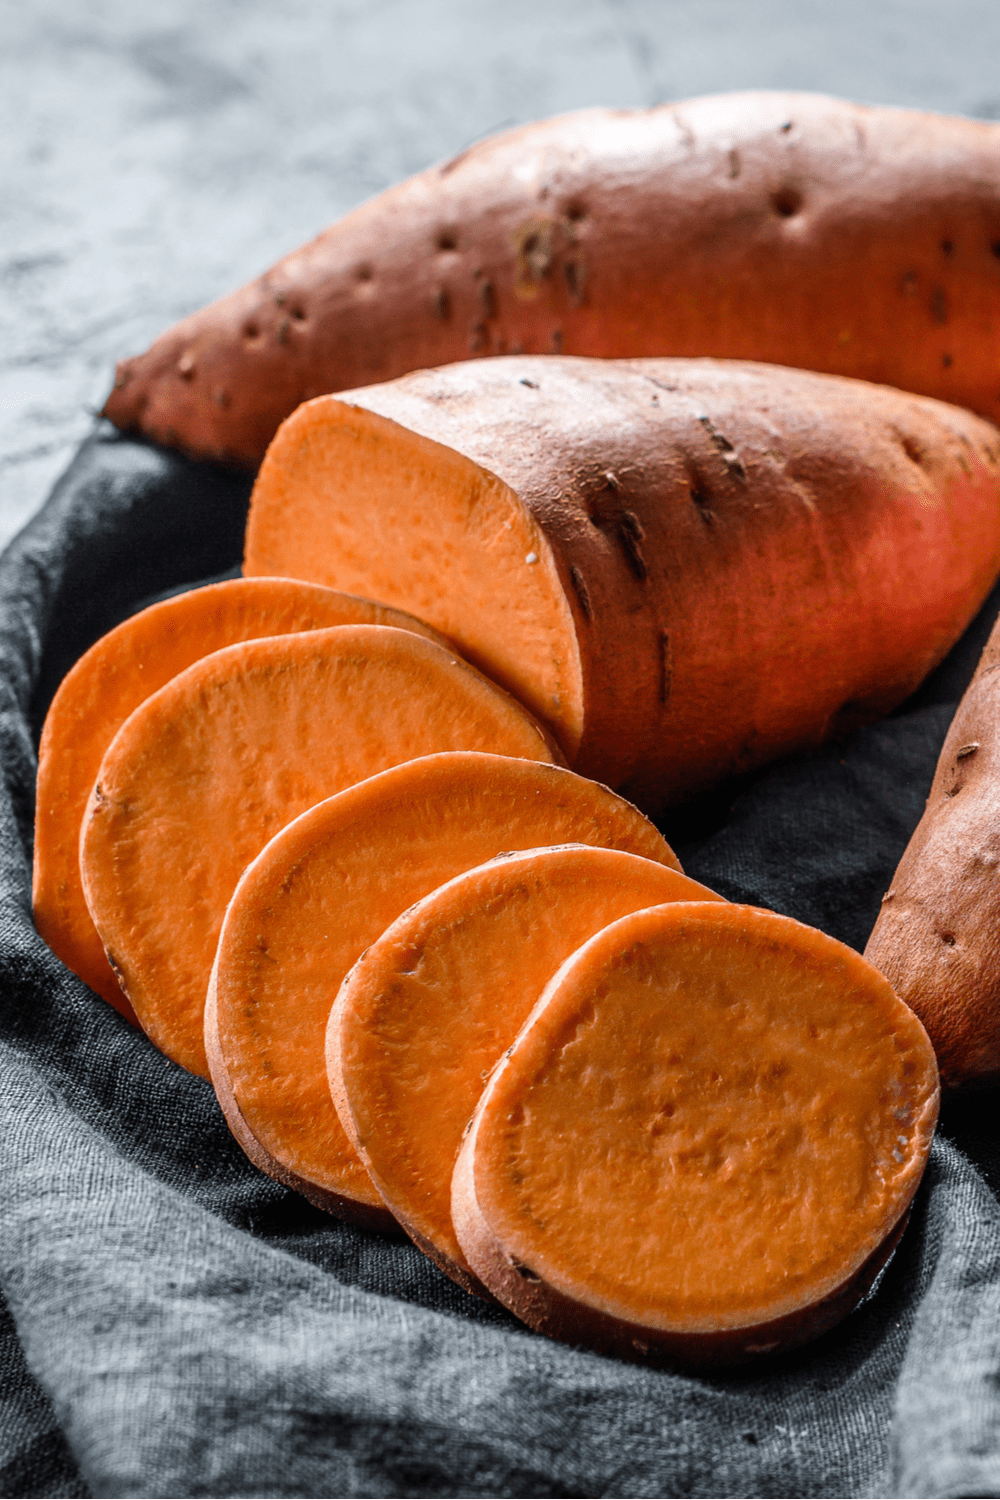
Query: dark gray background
x=154, y=157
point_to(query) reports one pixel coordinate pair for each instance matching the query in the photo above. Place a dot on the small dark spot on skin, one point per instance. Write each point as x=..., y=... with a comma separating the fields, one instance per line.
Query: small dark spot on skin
x=574, y=278
x=751, y=1438
x=557, y=340
x=948, y=938
x=948, y=246
x=702, y=499
x=630, y=534
x=523, y=1271
x=222, y=398
x=786, y=127
x=298, y=313
x=576, y=212
x=995, y=248
x=946, y=361
x=909, y=283
x=969, y=749
x=913, y=449
x=787, y=201
x=442, y=303
x=734, y=163
x=280, y=298
x=447, y=240
x=487, y=300
x=582, y=592
x=477, y=338
x=531, y=384
x=281, y=336
x=364, y=272
x=939, y=305
x=666, y=666
x=251, y=332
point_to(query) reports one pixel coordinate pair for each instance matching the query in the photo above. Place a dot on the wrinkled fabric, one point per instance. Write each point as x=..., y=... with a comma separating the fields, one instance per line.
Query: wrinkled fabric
x=174, y=1323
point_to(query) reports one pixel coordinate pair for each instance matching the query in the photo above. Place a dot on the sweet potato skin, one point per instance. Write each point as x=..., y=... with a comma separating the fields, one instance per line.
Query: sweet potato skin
x=752, y=558
x=786, y=227
x=937, y=937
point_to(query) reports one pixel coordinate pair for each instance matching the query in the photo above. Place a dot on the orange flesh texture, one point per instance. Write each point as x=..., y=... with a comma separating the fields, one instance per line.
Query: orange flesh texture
x=328, y=886
x=97, y=695
x=741, y=560
x=347, y=494
x=427, y=1011
x=208, y=769
x=787, y=227
x=713, y=1118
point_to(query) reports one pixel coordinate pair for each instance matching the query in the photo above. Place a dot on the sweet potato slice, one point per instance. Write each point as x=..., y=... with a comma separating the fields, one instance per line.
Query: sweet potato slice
x=119, y=672
x=684, y=567
x=428, y=1010
x=704, y=1143
x=207, y=770
x=780, y=226
x=323, y=890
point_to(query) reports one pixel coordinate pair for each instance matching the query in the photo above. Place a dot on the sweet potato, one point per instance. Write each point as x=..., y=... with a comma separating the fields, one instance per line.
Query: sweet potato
x=207, y=770
x=324, y=889
x=427, y=1011
x=704, y=1143
x=791, y=228
x=685, y=568
x=937, y=937
x=96, y=697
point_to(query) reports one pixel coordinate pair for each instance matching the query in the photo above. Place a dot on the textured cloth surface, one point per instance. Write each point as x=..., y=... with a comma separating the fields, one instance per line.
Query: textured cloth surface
x=176, y=1324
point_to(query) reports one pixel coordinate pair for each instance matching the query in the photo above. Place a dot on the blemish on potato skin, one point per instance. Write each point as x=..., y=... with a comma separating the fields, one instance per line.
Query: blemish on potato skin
x=582, y=592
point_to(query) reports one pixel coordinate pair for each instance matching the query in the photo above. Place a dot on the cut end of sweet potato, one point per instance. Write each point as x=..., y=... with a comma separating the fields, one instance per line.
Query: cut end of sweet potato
x=327, y=887
x=443, y=537
x=703, y=1144
x=428, y=1010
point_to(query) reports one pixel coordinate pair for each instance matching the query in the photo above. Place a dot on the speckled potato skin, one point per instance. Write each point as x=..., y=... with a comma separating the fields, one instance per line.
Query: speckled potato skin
x=792, y=228
x=756, y=558
x=937, y=937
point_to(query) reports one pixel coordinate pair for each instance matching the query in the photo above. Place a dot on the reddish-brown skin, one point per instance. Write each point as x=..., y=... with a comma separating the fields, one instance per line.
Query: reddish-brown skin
x=792, y=228
x=937, y=937
x=750, y=558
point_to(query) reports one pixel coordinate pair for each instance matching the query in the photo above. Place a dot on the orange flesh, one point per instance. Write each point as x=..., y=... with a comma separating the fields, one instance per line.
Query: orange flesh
x=427, y=1011
x=326, y=888
x=443, y=531
x=96, y=697
x=208, y=769
x=713, y=1118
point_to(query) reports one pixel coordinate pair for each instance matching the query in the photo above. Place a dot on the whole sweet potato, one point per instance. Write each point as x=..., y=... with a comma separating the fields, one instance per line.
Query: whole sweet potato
x=937, y=937
x=791, y=228
x=684, y=567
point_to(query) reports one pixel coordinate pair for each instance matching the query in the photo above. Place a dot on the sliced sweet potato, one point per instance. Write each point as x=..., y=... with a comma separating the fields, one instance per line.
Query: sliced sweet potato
x=937, y=937
x=427, y=1011
x=780, y=226
x=684, y=567
x=323, y=890
x=109, y=681
x=207, y=770
x=704, y=1143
